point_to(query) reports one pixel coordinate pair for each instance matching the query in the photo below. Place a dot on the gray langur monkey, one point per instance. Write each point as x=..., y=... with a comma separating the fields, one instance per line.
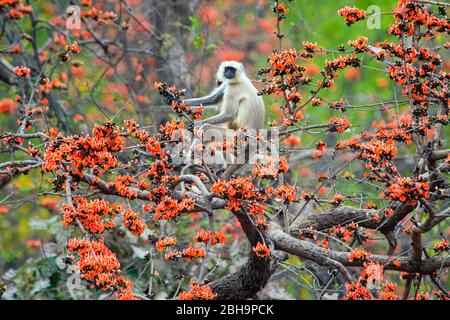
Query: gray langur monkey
x=236, y=99
x=237, y=102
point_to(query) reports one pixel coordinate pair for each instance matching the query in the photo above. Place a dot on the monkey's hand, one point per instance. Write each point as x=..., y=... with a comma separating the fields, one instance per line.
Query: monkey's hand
x=171, y=98
x=191, y=126
x=197, y=124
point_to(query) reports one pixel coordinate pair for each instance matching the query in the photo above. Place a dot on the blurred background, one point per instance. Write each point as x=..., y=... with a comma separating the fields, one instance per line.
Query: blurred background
x=181, y=43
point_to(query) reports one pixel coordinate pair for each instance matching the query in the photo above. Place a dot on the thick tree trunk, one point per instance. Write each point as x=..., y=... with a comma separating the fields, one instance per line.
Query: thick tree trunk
x=253, y=275
x=171, y=43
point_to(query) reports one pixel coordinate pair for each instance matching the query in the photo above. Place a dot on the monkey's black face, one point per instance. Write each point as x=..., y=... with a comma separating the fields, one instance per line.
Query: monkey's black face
x=229, y=72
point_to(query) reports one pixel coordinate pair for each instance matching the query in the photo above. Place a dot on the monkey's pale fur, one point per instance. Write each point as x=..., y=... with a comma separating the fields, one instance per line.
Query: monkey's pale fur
x=238, y=105
x=241, y=106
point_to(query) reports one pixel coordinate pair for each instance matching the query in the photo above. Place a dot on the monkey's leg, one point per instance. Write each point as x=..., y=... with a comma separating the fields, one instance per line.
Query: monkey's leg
x=243, y=153
x=212, y=136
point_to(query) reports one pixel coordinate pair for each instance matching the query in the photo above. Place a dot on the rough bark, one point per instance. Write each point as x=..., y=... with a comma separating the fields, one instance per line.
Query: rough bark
x=252, y=276
x=171, y=45
x=310, y=251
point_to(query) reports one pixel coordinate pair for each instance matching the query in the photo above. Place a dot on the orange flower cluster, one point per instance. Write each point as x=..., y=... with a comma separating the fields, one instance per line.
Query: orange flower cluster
x=100, y=266
x=236, y=191
x=16, y=8
x=124, y=289
x=182, y=108
x=398, y=129
x=34, y=243
x=159, y=170
x=86, y=3
x=90, y=214
x=332, y=66
x=337, y=199
x=69, y=49
x=371, y=205
x=360, y=44
x=122, y=184
x=287, y=192
x=162, y=244
x=22, y=71
x=213, y=238
x=3, y=209
x=408, y=191
x=340, y=63
x=15, y=49
x=289, y=119
x=285, y=75
x=415, y=68
x=408, y=12
x=341, y=104
x=344, y=233
x=309, y=47
x=75, y=153
x=11, y=141
x=352, y=15
x=321, y=176
x=9, y=3
x=46, y=85
x=34, y=152
x=359, y=254
x=188, y=253
x=320, y=150
x=388, y=212
x=7, y=106
x=170, y=93
x=442, y=246
x=74, y=48
x=356, y=291
x=151, y=143
x=422, y=296
x=271, y=167
x=193, y=253
x=133, y=128
x=49, y=203
x=372, y=274
x=178, y=106
x=339, y=124
x=170, y=209
x=378, y=150
x=99, y=15
x=158, y=192
x=375, y=153
x=371, y=277
x=281, y=8
x=171, y=129
x=388, y=292
x=133, y=222
x=155, y=148
x=284, y=62
x=198, y=292
x=441, y=295
x=261, y=250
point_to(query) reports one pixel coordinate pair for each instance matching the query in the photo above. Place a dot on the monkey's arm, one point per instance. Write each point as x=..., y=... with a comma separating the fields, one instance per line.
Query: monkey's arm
x=229, y=113
x=211, y=99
